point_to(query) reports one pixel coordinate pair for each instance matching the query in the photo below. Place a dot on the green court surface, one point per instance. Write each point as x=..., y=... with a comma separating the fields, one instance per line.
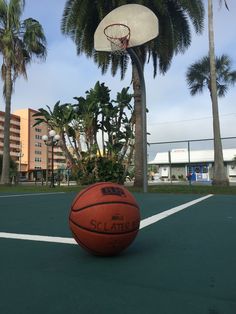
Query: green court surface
x=182, y=264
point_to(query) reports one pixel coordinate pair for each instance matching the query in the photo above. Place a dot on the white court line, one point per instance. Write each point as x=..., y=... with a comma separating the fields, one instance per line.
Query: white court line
x=39, y=238
x=144, y=223
x=151, y=220
x=29, y=194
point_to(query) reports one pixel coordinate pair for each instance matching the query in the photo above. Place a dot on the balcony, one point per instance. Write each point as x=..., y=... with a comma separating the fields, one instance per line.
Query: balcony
x=15, y=138
x=17, y=146
x=15, y=154
x=15, y=123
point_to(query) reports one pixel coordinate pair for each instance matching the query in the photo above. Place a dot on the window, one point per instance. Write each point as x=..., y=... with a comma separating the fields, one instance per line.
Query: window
x=38, y=152
x=38, y=130
x=38, y=144
x=38, y=137
x=37, y=159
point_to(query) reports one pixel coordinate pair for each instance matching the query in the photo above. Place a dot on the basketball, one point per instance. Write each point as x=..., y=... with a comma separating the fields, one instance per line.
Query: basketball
x=104, y=218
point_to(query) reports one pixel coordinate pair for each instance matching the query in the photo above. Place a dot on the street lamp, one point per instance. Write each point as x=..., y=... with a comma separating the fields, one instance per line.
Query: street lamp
x=52, y=140
x=20, y=154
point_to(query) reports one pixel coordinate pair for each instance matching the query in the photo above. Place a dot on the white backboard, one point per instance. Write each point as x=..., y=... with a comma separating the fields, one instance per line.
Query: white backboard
x=142, y=22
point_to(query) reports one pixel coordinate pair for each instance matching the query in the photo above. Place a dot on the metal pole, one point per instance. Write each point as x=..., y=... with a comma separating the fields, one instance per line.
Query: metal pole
x=189, y=160
x=68, y=177
x=52, y=181
x=20, y=155
x=46, y=165
x=20, y=163
x=139, y=66
x=169, y=154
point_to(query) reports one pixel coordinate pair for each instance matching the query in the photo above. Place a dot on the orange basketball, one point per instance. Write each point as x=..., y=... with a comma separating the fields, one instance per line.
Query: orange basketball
x=104, y=218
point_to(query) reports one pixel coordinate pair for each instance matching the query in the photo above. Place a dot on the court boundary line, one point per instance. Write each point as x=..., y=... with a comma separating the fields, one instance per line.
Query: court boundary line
x=29, y=194
x=38, y=238
x=155, y=218
x=144, y=223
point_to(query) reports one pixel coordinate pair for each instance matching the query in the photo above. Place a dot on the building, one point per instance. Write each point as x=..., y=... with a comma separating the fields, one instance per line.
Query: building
x=177, y=164
x=14, y=135
x=35, y=156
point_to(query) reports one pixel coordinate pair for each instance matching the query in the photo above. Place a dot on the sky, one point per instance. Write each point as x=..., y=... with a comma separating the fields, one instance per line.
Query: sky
x=173, y=113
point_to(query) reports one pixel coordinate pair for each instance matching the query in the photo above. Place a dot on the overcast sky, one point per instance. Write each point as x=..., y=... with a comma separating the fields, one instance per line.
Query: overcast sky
x=173, y=113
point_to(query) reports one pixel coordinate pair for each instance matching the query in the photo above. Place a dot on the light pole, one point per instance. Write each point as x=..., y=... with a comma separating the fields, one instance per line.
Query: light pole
x=20, y=154
x=52, y=140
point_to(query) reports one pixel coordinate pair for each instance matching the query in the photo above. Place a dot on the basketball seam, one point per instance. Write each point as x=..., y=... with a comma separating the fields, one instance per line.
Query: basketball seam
x=103, y=203
x=91, y=187
x=101, y=232
x=85, y=246
x=87, y=189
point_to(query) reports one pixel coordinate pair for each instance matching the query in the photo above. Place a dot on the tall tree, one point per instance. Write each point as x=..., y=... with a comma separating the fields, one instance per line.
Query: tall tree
x=81, y=18
x=199, y=76
x=19, y=42
x=58, y=119
x=219, y=176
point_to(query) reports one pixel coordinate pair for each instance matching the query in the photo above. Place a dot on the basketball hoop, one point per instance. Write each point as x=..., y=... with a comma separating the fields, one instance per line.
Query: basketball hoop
x=118, y=34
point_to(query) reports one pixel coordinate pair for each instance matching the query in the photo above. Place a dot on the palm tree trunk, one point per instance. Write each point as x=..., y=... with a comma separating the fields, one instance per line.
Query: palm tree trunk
x=219, y=174
x=65, y=148
x=5, y=178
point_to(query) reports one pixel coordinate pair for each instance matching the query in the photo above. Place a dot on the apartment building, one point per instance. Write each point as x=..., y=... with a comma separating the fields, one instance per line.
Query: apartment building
x=35, y=156
x=14, y=135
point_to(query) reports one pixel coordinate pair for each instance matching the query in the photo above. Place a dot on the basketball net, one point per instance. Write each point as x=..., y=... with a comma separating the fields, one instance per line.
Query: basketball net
x=118, y=35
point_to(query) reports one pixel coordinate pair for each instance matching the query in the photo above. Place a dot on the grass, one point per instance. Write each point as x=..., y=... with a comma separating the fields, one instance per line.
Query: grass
x=194, y=189
x=165, y=188
x=23, y=188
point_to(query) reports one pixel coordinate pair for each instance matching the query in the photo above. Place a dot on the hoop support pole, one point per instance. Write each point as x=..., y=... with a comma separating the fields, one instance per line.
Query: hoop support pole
x=139, y=66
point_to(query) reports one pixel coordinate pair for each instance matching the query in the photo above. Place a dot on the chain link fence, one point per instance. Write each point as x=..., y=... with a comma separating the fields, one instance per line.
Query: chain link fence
x=189, y=160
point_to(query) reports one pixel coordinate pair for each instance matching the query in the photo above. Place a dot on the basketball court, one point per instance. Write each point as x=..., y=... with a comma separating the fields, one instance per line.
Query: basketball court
x=182, y=261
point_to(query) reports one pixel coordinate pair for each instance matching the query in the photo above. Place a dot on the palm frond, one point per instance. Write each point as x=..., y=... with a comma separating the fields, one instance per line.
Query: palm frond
x=225, y=3
x=34, y=38
x=198, y=75
x=3, y=14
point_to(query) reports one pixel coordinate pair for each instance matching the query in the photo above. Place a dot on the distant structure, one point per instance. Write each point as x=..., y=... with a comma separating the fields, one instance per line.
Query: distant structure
x=14, y=135
x=27, y=147
x=35, y=155
x=179, y=164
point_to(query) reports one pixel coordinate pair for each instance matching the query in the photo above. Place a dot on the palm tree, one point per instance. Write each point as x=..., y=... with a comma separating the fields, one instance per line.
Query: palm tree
x=78, y=126
x=199, y=77
x=81, y=18
x=58, y=119
x=219, y=177
x=19, y=42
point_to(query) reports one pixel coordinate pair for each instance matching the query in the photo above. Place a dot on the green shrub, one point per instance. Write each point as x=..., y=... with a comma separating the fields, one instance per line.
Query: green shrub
x=98, y=169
